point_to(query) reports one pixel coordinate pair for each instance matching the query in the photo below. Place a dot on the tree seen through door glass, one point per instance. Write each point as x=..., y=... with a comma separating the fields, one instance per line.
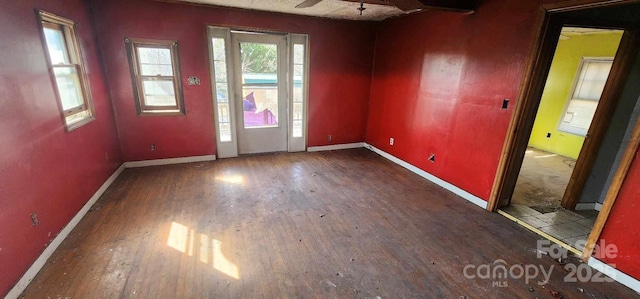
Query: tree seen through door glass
x=259, y=63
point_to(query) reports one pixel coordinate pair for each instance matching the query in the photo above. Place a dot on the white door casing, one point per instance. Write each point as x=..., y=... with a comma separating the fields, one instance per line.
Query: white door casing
x=290, y=133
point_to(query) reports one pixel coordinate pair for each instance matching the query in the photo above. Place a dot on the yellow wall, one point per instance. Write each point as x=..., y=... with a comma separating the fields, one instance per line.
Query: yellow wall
x=556, y=91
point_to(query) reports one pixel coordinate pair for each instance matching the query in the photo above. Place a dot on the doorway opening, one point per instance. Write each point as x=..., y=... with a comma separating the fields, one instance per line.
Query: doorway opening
x=607, y=145
x=579, y=70
x=259, y=64
x=260, y=87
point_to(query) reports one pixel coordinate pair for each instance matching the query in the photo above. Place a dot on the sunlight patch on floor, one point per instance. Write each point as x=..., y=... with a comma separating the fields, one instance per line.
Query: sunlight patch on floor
x=546, y=156
x=183, y=239
x=232, y=179
x=178, y=237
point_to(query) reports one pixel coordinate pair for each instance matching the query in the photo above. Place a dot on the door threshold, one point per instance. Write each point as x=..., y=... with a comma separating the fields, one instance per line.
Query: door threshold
x=540, y=232
x=262, y=154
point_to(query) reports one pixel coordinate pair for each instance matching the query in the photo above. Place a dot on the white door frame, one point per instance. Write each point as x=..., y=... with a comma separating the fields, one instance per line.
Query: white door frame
x=298, y=143
x=261, y=139
x=229, y=146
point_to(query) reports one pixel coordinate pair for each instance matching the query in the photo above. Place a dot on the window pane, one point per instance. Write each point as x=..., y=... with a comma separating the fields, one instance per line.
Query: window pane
x=298, y=81
x=218, y=49
x=579, y=113
x=225, y=132
x=578, y=116
x=56, y=46
x=297, y=111
x=259, y=58
x=224, y=122
x=298, y=72
x=593, y=77
x=297, y=94
x=297, y=128
x=159, y=92
x=68, y=87
x=259, y=84
x=298, y=89
x=222, y=94
x=260, y=105
x=220, y=71
x=298, y=54
x=223, y=112
x=155, y=61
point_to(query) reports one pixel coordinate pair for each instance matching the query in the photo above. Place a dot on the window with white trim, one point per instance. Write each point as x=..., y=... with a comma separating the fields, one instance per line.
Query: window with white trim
x=587, y=88
x=221, y=87
x=299, y=80
x=65, y=64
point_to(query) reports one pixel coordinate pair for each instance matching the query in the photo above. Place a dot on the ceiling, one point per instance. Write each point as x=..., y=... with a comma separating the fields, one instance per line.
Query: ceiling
x=568, y=32
x=335, y=9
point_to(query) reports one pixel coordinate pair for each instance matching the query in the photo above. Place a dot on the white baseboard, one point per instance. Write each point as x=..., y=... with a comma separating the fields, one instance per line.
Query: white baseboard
x=335, y=147
x=615, y=274
x=598, y=207
x=581, y=206
x=438, y=181
x=42, y=259
x=589, y=206
x=156, y=162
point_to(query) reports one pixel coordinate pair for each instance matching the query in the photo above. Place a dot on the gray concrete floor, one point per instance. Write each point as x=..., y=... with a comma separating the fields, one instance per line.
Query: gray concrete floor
x=536, y=200
x=542, y=181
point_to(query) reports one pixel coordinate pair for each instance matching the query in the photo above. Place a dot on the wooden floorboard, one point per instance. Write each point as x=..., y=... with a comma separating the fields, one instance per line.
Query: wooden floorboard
x=341, y=224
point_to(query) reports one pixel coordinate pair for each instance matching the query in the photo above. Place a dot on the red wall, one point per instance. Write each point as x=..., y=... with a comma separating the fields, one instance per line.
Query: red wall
x=436, y=87
x=341, y=59
x=621, y=228
x=438, y=84
x=44, y=169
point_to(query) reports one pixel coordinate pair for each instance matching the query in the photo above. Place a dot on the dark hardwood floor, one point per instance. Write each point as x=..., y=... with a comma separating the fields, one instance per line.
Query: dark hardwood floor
x=342, y=224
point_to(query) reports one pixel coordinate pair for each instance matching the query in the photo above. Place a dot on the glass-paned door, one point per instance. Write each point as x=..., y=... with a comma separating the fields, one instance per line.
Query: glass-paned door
x=261, y=108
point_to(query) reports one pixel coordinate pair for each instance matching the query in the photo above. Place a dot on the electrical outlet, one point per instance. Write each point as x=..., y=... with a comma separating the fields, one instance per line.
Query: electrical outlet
x=34, y=219
x=328, y=137
x=152, y=147
x=391, y=141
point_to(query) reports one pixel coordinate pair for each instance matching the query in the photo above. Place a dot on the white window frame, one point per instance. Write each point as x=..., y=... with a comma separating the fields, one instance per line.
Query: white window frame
x=229, y=148
x=565, y=126
x=225, y=148
x=298, y=144
x=75, y=117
